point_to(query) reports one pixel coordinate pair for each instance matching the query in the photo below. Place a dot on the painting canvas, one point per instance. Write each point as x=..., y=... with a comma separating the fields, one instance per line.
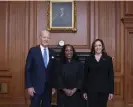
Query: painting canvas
x=61, y=16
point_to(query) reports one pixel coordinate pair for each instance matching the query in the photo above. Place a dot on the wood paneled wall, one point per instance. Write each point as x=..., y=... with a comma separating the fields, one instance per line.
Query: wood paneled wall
x=21, y=23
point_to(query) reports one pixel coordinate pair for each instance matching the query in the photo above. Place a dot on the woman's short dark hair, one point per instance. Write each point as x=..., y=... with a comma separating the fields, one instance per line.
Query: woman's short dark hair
x=93, y=47
x=62, y=53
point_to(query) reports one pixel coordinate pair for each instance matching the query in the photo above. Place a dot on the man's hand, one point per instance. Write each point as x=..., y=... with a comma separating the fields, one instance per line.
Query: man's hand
x=53, y=91
x=85, y=96
x=31, y=91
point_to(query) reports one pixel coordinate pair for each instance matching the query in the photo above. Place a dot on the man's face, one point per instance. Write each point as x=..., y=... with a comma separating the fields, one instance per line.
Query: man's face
x=45, y=37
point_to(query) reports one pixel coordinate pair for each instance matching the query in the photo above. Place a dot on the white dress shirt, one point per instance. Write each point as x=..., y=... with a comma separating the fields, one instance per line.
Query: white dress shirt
x=42, y=50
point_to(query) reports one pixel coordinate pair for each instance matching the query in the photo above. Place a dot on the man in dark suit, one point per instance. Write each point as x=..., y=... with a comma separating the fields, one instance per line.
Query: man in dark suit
x=39, y=72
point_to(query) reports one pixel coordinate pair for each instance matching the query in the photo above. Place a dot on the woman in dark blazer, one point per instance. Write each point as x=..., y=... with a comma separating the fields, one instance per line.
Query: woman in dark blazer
x=70, y=78
x=99, y=76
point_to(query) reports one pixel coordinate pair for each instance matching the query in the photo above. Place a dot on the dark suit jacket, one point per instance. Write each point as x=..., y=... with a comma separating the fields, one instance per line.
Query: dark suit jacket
x=36, y=75
x=99, y=76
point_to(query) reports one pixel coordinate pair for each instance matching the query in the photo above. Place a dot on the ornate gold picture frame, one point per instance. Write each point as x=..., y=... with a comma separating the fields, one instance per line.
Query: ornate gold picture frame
x=61, y=16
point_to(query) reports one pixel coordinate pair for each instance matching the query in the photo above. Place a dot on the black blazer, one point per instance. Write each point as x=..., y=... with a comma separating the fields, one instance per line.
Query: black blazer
x=36, y=75
x=99, y=76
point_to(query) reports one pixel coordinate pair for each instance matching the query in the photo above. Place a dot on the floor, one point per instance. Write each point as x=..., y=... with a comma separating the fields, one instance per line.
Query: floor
x=115, y=103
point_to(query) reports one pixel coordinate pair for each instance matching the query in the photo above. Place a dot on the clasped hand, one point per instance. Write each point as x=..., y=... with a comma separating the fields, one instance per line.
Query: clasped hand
x=70, y=92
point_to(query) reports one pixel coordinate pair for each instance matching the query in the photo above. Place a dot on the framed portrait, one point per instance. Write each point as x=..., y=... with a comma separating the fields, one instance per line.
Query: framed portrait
x=61, y=16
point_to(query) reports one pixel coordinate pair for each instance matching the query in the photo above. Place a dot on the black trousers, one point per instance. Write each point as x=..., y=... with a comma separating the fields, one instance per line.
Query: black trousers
x=97, y=99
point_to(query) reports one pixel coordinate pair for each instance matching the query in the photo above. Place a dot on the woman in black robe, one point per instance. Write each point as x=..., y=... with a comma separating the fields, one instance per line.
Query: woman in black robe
x=70, y=76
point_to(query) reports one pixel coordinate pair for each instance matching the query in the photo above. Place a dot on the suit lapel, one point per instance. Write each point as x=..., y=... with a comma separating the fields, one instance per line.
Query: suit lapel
x=49, y=58
x=40, y=55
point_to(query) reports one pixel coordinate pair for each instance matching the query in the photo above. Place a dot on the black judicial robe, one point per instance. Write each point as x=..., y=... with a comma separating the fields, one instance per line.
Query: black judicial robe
x=70, y=75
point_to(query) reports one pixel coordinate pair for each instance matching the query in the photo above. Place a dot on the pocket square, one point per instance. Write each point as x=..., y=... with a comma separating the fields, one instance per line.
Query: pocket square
x=52, y=57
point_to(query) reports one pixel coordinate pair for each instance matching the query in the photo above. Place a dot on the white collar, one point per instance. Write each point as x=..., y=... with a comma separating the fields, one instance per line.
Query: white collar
x=42, y=48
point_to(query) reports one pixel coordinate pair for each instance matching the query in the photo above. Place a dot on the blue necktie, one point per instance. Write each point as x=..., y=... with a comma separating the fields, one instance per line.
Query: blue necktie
x=45, y=57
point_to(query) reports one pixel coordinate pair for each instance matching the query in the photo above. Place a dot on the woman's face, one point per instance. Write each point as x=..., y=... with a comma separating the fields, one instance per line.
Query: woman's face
x=68, y=52
x=98, y=47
